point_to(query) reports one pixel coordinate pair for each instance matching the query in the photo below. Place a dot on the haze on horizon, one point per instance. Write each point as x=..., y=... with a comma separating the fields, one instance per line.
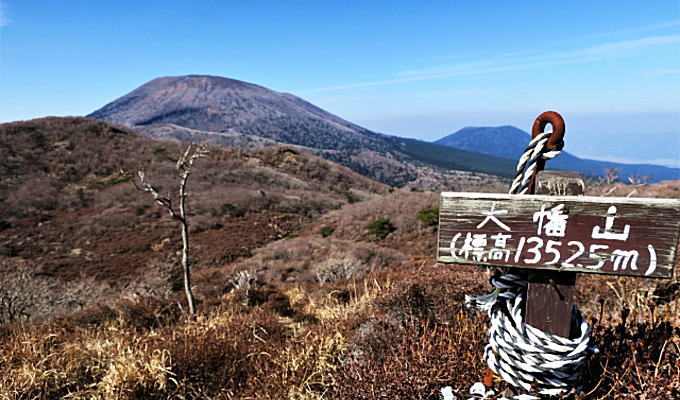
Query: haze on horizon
x=417, y=70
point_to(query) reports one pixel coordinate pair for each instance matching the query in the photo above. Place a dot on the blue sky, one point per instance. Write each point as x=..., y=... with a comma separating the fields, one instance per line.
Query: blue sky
x=417, y=69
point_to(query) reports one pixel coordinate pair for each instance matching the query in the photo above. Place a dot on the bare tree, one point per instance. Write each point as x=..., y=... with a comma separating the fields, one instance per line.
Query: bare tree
x=611, y=174
x=637, y=179
x=22, y=294
x=634, y=179
x=184, y=166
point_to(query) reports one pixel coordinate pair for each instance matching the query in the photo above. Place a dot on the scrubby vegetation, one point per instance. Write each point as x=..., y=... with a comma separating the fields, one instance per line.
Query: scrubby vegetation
x=326, y=231
x=429, y=216
x=380, y=228
x=394, y=333
x=283, y=311
x=58, y=206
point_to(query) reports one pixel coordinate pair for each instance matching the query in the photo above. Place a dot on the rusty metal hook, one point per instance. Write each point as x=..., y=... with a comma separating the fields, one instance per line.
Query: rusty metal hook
x=555, y=139
x=557, y=122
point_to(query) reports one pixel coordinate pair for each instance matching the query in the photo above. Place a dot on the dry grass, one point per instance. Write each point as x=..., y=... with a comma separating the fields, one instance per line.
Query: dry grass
x=222, y=354
x=400, y=334
x=143, y=349
x=664, y=189
x=317, y=259
x=343, y=316
x=111, y=361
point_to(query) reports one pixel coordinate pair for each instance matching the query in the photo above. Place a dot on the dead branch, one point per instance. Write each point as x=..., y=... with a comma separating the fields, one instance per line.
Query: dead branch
x=184, y=166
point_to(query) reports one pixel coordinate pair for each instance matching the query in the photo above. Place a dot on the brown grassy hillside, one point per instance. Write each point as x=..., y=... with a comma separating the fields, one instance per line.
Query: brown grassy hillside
x=298, y=297
x=68, y=210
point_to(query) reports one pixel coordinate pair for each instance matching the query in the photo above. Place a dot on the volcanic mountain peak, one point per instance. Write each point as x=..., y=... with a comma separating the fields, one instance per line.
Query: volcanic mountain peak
x=216, y=104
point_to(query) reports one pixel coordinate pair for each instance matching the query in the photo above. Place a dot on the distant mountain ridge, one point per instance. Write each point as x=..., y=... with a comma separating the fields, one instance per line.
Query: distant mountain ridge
x=235, y=113
x=501, y=141
x=510, y=142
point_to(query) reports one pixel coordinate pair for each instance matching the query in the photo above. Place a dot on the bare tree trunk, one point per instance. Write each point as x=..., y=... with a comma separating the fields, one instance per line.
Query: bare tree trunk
x=185, y=268
x=185, y=241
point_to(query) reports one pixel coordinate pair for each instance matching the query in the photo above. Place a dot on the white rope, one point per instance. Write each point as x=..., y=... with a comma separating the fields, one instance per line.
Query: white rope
x=535, y=151
x=519, y=353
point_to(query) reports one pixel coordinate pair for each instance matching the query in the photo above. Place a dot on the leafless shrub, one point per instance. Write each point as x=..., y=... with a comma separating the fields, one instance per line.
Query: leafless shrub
x=637, y=179
x=110, y=197
x=26, y=296
x=74, y=296
x=22, y=294
x=282, y=253
x=117, y=216
x=41, y=195
x=336, y=268
x=611, y=174
x=202, y=223
x=377, y=257
x=159, y=279
x=242, y=282
x=300, y=259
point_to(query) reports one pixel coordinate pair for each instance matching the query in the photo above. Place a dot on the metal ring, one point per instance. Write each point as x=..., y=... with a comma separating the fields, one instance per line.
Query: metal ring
x=557, y=122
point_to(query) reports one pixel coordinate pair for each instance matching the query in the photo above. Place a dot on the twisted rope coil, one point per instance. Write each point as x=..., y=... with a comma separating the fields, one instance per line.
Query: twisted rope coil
x=535, y=151
x=519, y=353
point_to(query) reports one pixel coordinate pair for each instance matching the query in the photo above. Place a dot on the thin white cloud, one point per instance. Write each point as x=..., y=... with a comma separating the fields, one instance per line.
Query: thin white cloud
x=670, y=71
x=602, y=51
x=661, y=26
x=626, y=47
x=609, y=50
x=365, y=84
x=419, y=94
x=673, y=23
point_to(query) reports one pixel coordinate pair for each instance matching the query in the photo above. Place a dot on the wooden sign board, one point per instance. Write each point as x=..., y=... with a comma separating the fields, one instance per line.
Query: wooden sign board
x=605, y=235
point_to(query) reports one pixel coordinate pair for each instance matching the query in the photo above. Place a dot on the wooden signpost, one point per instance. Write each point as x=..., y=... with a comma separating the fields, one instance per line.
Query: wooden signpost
x=606, y=235
x=555, y=236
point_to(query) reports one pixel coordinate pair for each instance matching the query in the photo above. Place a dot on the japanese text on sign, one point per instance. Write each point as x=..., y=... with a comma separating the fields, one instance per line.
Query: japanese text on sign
x=557, y=233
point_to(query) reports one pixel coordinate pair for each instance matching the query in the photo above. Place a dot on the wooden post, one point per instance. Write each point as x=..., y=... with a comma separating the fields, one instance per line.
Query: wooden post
x=549, y=299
